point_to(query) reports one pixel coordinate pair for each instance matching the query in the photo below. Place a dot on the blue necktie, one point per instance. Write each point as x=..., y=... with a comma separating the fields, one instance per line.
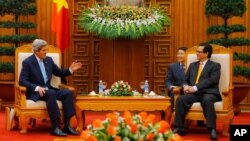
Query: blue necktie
x=182, y=66
x=42, y=68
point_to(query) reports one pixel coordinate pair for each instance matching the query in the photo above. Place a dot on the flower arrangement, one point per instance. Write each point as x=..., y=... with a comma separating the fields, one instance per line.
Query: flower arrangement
x=123, y=21
x=140, y=127
x=120, y=88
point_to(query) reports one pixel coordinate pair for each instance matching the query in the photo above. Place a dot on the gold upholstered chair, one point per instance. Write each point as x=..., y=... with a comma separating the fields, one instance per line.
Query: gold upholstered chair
x=27, y=109
x=224, y=108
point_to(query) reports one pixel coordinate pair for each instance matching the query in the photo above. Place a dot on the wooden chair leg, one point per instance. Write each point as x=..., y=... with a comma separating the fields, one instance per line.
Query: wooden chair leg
x=225, y=130
x=23, y=125
x=172, y=119
x=8, y=124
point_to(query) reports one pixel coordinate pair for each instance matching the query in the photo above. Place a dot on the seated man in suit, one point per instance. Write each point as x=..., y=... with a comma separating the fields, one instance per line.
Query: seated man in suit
x=36, y=75
x=201, y=85
x=176, y=74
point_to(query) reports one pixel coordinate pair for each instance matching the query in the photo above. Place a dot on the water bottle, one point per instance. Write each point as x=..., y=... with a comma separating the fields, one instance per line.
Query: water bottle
x=146, y=87
x=100, y=87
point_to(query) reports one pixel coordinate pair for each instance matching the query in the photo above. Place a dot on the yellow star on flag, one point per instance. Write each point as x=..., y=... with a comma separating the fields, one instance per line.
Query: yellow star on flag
x=60, y=4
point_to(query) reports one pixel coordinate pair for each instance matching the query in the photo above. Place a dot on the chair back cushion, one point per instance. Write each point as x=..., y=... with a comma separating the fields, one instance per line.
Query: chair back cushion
x=55, y=81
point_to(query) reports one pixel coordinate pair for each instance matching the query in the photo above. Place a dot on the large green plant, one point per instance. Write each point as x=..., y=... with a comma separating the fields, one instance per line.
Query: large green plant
x=16, y=8
x=227, y=9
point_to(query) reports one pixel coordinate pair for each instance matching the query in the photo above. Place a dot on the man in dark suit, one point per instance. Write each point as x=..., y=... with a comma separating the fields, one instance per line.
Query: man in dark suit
x=176, y=74
x=201, y=85
x=36, y=75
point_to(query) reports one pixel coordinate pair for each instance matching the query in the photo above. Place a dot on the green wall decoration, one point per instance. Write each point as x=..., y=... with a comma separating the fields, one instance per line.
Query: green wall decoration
x=227, y=9
x=124, y=21
x=8, y=43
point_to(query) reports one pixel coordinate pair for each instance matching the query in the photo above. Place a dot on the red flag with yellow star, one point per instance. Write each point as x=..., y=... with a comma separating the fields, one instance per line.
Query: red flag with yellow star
x=60, y=23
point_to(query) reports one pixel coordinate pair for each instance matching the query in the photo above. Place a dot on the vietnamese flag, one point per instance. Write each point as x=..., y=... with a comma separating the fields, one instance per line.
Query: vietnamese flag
x=60, y=23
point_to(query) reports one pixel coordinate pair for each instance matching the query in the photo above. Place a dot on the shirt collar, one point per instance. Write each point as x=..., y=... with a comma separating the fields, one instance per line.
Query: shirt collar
x=204, y=62
x=38, y=59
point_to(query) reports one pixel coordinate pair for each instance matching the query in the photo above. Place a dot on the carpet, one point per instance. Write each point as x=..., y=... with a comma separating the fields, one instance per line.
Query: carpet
x=41, y=131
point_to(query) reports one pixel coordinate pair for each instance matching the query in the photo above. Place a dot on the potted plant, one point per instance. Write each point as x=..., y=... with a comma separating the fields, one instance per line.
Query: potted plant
x=8, y=43
x=129, y=127
x=227, y=9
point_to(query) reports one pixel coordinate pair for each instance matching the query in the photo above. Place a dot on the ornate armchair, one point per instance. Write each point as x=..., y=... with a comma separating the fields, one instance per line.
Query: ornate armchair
x=23, y=107
x=224, y=108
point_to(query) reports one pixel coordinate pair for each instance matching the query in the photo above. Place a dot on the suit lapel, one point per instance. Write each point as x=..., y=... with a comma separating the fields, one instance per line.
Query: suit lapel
x=180, y=71
x=205, y=69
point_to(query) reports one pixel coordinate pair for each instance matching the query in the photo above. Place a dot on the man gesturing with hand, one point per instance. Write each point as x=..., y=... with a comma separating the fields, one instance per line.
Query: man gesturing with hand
x=36, y=75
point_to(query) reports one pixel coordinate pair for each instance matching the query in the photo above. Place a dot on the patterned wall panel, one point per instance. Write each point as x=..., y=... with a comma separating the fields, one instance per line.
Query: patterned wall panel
x=158, y=50
x=85, y=49
x=162, y=48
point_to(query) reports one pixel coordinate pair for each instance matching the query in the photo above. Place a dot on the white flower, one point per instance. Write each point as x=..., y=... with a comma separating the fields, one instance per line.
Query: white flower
x=103, y=21
x=100, y=19
x=95, y=19
x=144, y=22
x=120, y=119
x=92, y=15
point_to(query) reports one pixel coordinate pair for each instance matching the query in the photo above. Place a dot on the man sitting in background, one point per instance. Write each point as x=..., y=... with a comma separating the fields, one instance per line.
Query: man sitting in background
x=176, y=75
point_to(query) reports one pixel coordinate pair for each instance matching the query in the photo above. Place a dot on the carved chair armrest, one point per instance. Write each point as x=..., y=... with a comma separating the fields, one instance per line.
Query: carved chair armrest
x=176, y=91
x=227, y=98
x=20, y=96
x=226, y=92
x=22, y=89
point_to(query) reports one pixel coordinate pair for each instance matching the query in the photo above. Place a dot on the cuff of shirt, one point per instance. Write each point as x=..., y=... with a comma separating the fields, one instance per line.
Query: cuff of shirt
x=171, y=87
x=71, y=71
x=36, y=89
x=195, y=88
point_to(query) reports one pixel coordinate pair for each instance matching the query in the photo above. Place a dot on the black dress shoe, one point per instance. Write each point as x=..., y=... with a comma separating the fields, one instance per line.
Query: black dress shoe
x=58, y=132
x=213, y=134
x=180, y=131
x=70, y=131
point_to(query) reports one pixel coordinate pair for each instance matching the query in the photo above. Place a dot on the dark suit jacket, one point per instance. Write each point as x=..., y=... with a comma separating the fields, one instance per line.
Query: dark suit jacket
x=175, y=75
x=209, y=79
x=31, y=75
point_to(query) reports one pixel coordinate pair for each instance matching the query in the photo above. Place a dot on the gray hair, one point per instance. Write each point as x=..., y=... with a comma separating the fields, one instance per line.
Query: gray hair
x=38, y=44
